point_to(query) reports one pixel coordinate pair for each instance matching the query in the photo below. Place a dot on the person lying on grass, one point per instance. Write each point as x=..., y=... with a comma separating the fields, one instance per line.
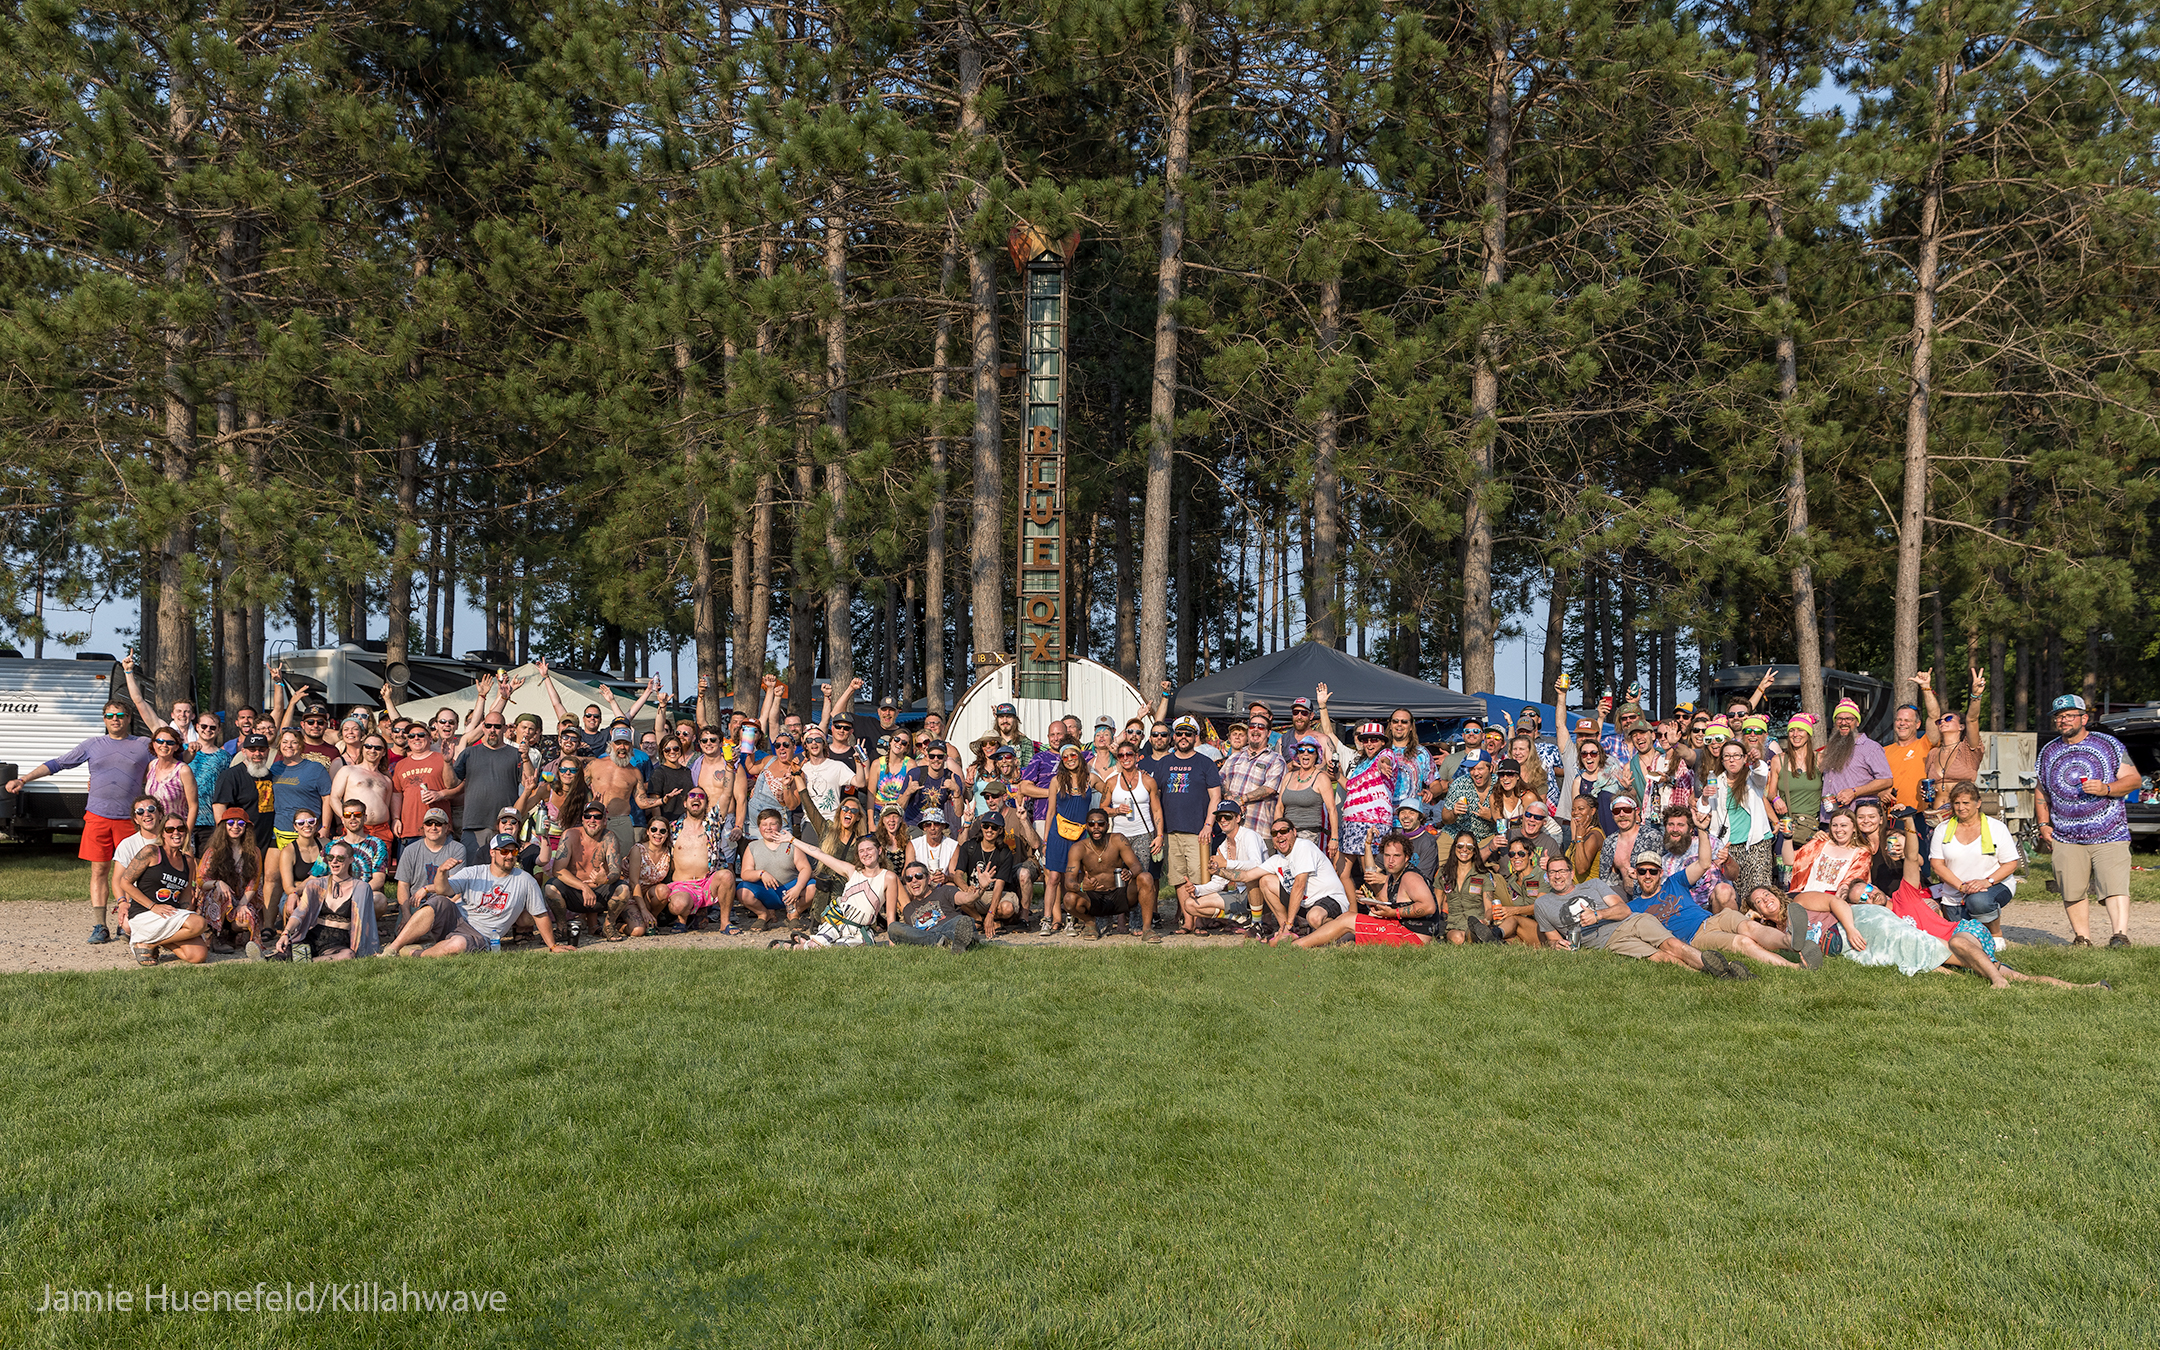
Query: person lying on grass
x=158, y=885
x=1592, y=915
x=496, y=893
x=1909, y=941
x=1730, y=931
x=1403, y=911
x=848, y=919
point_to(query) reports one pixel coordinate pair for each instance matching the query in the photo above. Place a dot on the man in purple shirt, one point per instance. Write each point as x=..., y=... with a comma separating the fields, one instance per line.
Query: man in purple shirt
x=2084, y=776
x=118, y=764
x=1853, y=765
x=1043, y=767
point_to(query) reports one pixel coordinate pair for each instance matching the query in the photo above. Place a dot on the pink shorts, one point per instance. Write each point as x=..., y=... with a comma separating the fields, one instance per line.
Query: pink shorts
x=699, y=890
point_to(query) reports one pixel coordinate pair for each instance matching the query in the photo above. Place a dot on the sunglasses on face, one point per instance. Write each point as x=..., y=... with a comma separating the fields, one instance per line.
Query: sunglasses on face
x=1280, y=833
x=236, y=823
x=373, y=745
x=176, y=829
x=166, y=742
x=150, y=811
x=303, y=822
x=918, y=876
x=491, y=726
x=116, y=717
x=1518, y=853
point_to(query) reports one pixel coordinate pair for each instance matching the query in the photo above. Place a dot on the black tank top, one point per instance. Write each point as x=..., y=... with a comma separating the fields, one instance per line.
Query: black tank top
x=1432, y=925
x=164, y=882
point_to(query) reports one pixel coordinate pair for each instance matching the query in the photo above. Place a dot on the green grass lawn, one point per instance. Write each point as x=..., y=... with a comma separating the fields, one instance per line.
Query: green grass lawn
x=1092, y=1147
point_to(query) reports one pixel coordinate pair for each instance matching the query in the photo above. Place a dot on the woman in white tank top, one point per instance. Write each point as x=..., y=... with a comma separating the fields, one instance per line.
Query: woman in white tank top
x=1130, y=798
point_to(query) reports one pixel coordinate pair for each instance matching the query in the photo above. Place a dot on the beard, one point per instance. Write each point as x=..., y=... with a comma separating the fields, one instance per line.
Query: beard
x=254, y=770
x=1838, y=752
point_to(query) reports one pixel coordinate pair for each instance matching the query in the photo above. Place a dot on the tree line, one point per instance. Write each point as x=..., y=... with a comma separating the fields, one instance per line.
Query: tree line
x=1791, y=331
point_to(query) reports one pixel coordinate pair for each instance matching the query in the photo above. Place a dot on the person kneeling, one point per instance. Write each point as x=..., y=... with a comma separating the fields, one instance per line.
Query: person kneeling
x=1224, y=897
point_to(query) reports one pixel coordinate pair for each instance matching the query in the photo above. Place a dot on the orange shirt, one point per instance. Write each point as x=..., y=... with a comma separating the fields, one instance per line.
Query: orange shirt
x=412, y=773
x=1908, y=765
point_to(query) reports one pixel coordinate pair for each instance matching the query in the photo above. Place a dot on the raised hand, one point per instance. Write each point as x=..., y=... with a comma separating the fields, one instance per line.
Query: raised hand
x=1924, y=678
x=1320, y=694
x=540, y=667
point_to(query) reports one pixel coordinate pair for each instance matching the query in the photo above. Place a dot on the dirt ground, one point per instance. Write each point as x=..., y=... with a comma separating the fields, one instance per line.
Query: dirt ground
x=45, y=936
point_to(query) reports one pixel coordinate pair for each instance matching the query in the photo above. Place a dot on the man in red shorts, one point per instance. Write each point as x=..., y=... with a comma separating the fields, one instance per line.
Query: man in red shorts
x=118, y=764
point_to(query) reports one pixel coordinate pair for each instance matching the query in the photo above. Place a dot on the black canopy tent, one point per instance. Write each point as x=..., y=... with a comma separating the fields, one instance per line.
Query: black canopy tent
x=1358, y=690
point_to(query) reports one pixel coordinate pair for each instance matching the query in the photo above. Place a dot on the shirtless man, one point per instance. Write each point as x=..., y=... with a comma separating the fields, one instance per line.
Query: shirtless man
x=367, y=784
x=1092, y=867
x=702, y=872
x=586, y=876
x=722, y=786
x=614, y=783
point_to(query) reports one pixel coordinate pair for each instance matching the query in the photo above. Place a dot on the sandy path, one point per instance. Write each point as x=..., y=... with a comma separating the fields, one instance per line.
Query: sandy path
x=44, y=936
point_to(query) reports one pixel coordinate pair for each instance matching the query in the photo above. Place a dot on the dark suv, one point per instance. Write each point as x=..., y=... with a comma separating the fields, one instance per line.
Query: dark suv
x=2139, y=731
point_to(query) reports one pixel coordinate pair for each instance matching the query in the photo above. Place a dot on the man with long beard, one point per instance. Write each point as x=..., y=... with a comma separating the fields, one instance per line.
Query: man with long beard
x=244, y=789
x=1854, y=766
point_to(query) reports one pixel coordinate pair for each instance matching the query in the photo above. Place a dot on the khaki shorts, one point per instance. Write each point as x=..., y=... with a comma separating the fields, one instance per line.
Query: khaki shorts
x=1721, y=932
x=1637, y=936
x=2105, y=868
x=1183, y=860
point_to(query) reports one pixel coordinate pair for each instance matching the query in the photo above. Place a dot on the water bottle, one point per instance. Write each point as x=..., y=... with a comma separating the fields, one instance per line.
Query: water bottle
x=494, y=946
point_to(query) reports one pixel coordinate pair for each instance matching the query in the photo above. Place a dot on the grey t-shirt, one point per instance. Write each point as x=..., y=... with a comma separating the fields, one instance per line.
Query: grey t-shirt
x=492, y=779
x=761, y=857
x=416, y=866
x=1561, y=914
x=493, y=903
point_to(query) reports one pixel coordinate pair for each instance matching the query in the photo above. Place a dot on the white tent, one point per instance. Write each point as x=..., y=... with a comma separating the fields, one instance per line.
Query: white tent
x=531, y=697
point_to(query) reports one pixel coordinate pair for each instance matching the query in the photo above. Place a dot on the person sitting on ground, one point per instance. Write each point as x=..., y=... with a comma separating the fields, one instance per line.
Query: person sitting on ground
x=615, y=783
x=1296, y=881
x=158, y=885
x=1403, y=911
x=997, y=884
x=495, y=894
x=929, y=914
x=838, y=839
x=229, y=884
x=1463, y=884
x=1827, y=863
x=651, y=869
x=933, y=849
x=1240, y=851
x=1975, y=860
x=371, y=854
x=329, y=918
x=775, y=873
x=587, y=885
x=1592, y=916
x=1097, y=866
x=420, y=860
x=299, y=858
x=849, y=918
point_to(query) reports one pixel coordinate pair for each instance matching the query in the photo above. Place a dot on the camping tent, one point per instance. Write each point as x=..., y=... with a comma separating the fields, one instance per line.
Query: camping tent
x=1358, y=690
x=531, y=698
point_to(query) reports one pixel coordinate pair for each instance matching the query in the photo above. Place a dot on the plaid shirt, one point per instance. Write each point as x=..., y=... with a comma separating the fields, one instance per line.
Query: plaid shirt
x=1246, y=771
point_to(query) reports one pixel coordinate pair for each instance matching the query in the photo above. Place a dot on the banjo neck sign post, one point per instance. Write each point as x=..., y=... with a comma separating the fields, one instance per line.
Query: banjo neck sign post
x=1039, y=669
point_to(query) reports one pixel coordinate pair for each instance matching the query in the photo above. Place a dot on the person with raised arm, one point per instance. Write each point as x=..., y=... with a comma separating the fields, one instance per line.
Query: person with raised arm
x=849, y=918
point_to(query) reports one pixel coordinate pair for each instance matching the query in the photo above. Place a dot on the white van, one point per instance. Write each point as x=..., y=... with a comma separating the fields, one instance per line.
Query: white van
x=47, y=708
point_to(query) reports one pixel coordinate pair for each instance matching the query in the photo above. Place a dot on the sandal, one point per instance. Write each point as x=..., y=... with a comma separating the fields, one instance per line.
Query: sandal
x=144, y=956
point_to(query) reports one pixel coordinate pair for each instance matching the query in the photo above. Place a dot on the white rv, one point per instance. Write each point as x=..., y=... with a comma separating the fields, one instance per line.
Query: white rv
x=47, y=708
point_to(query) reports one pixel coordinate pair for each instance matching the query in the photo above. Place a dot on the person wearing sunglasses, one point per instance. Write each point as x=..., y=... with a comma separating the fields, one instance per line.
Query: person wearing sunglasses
x=702, y=863
x=468, y=907
x=206, y=761
x=229, y=884
x=332, y=919
x=490, y=775
x=168, y=778
x=118, y=763
x=588, y=883
x=158, y=885
x=1239, y=851
x=1959, y=746
x=1103, y=879
x=421, y=780
x=929, y=914
x=368, y=784
x=1296, y=881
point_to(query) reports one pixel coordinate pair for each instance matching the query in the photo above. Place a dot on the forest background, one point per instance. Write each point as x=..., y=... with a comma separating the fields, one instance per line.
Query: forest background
x=645, y=326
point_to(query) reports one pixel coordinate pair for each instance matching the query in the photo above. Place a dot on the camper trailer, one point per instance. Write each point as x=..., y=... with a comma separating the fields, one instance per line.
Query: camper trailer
x=47, y=708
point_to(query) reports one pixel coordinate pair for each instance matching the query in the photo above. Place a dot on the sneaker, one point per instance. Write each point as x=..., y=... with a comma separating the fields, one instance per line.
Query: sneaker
x=302, y=953
x=1045, y=929
x=1810, y=955
x=1091, y=934
x=254, y=950
x=99, y=935
x=1717, y=967
x=2119, y=940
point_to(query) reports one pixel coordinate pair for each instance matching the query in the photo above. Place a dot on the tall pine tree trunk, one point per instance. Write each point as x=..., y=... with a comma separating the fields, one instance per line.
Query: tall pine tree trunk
x=1479, y=674
x=1912, y=508
x=986, y=525
x=175, y=656
x=934, y=545
x=1162, y=394
x=754, y=619
x=1326, y=626
x=839, y=589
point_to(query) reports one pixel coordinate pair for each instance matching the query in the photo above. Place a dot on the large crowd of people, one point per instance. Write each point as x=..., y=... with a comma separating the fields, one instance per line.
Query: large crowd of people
x=1703, y=838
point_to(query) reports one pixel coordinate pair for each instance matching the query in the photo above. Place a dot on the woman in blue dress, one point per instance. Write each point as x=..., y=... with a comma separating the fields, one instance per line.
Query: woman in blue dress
x=1068, y=821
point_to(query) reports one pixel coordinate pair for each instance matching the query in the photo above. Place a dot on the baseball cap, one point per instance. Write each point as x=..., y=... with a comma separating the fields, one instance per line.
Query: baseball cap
x=619, y=734
x=1470, y=757
x=1103, y=723
x=1004, y=752
x=1585, y=726
x=888, y=702
x=2067, y=703
x=1004, y=710
x=1510, y=766
x=1301, y=703
x=1229, y=809
x=508, y=841
x=933, y=816
x=254, y=740
x=507, y=813
x=435, y=815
